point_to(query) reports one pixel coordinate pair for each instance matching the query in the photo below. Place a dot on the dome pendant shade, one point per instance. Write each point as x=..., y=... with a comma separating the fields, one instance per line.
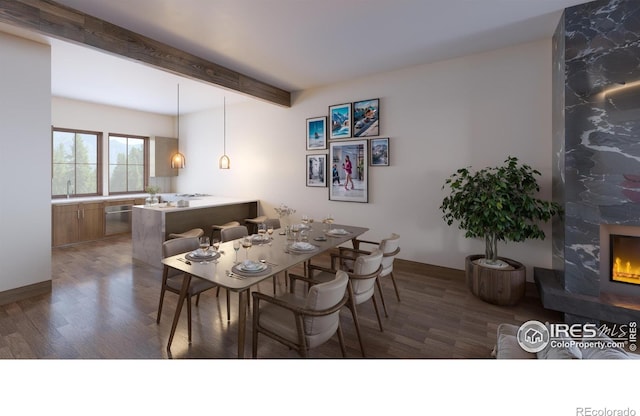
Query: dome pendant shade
x=177, y=161
x=225, y=162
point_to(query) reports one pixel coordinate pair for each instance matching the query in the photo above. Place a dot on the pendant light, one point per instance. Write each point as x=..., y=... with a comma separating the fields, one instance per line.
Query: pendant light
x=177, y=160
x=225, y=162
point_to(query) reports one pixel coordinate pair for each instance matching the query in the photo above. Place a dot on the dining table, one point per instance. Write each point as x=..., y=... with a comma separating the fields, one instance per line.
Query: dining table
x=276, y=254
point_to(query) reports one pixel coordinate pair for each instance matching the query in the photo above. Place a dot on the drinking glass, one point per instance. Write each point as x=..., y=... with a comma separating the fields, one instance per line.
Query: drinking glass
x=236, y=247
x=262, y=230
x=216, y=244
x=204, y=244
x=295, y=228
x=246, y=243
x=329, y=220
x=305, y=219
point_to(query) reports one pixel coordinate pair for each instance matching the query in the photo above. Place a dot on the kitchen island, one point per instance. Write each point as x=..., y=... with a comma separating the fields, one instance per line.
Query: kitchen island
x=151, y=225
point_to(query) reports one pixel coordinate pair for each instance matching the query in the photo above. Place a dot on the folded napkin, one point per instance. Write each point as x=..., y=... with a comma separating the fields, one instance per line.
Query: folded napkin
x=251, y=265
x=338, y=231
x=301, y=245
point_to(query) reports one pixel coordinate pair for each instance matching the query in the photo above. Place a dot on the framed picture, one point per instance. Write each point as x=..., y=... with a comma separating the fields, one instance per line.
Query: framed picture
x=317, y=170
x=366, y=118
x=349, y=170
x=316, y=133
x=340, y=119
x=379, y=151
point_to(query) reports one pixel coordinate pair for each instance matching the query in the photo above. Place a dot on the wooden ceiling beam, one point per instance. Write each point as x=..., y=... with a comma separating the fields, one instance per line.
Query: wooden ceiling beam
x=61, y=22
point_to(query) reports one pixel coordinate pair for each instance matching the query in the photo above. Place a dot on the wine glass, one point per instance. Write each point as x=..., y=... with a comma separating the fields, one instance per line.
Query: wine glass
x=295, y=228
x=305, y=219
x=216, y=244
x=236, y=247
x=246, y=243
x=262, y=230
x=329, y=220
x=204, y=244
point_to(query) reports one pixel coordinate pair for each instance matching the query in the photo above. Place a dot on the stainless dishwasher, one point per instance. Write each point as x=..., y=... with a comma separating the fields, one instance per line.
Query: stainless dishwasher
x=117, y=219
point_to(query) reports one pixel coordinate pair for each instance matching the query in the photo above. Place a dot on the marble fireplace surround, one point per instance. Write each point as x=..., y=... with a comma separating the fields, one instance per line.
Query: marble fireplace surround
x=596, y=158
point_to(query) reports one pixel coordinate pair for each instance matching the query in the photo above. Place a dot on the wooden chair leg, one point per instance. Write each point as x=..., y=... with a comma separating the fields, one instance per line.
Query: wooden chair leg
x=275, y=279
x=189, y=317
x=228, y=306
x=160, y=304
x=254, y=342
x=218, y=291
x=354, y=313
x=341, y=340
x=375, y=306
x=384, y=306
x=395, y=286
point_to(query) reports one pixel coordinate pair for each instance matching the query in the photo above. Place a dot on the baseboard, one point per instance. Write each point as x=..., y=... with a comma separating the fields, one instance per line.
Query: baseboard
x=25, y=292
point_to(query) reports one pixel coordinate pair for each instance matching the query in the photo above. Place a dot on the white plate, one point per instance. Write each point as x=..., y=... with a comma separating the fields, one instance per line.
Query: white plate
x=254, y=268
x=302, y=248
x=338, y=231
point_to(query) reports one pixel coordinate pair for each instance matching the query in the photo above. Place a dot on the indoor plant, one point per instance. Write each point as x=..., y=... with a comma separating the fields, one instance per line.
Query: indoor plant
x=497, y=204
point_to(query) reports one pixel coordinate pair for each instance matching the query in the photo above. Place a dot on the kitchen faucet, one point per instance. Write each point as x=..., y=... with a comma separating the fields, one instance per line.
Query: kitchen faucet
x=68, y=187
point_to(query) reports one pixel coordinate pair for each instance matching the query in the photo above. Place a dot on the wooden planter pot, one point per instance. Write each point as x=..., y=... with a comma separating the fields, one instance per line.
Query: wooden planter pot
x=498, y=286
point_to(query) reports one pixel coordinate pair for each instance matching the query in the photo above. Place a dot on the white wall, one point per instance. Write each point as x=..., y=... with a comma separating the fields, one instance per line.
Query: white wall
x=471, y=111
x=25, y=171
x=82, y=115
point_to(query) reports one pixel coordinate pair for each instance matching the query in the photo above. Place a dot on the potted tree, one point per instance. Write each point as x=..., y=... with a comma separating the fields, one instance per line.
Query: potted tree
x=497, y=204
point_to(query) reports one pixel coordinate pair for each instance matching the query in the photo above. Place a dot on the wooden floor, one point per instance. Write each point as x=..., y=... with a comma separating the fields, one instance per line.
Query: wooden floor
x=104, y=306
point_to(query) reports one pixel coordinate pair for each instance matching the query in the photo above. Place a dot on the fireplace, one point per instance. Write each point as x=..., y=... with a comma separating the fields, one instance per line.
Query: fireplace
x=620, y=259
x=624, y=259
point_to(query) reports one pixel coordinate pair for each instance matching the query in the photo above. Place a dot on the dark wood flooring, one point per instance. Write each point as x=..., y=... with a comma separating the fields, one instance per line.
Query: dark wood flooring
x=104, y=306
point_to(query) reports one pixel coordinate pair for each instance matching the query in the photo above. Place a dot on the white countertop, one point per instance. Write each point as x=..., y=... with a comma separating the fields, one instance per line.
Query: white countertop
x=199, y=202
x=74, y=200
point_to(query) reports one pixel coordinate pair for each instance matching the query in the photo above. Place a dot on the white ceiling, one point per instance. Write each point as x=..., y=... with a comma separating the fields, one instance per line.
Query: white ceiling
x=292, y=44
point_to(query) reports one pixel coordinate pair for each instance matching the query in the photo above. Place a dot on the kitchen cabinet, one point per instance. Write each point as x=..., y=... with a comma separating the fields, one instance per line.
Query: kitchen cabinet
x=72, y=223
x=161, y=151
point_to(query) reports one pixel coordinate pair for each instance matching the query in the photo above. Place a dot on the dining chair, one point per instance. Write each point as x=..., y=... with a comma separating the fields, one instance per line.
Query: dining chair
x=253, y=222
x=194, y=232
x=301, y=322
x=274, y=222
x=361, y=287
x=233, y=233
x=172, y=278
x=217, y=228
x=390, y=248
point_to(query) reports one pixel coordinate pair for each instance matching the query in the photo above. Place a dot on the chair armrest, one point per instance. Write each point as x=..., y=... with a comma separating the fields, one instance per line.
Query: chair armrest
x=354, y=276
x=257, y=296
x=303, y=278
x=356, y=243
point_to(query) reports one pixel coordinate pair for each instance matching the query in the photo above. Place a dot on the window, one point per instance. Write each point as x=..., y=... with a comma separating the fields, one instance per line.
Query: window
x=127, y=168
x=76, y=163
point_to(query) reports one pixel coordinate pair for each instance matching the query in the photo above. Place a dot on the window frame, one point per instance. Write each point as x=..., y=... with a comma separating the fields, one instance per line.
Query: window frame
x=146, y=144
x=99, y=163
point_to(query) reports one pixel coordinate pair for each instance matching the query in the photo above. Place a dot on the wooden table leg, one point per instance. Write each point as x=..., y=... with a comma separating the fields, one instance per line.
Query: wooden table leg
x=186, y=281
x=242, y=321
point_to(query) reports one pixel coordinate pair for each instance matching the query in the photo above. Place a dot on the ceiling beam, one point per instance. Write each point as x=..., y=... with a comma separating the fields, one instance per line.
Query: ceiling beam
x=61, y=22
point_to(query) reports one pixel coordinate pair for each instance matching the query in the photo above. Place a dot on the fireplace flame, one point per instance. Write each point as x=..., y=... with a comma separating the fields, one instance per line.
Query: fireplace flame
x=624, y=271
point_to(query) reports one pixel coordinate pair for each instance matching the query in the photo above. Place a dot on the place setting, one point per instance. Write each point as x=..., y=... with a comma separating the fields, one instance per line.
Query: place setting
x=206, y=253
x=300, y=247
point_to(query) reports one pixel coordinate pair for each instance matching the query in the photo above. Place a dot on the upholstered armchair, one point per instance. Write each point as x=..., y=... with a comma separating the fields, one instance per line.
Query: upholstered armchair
x=172, y=278
x=301, y=322
x=362, y=279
